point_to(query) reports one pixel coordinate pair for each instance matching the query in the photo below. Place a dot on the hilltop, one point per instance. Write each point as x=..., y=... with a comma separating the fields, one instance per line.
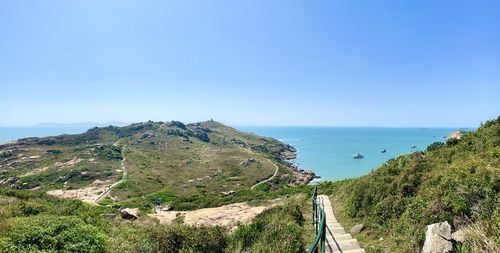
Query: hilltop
x=457, y=181
x=186, y=165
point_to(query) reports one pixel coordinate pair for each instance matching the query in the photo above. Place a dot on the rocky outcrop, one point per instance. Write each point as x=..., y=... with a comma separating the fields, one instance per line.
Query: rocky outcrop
x=248, y=162
x=202, y=136
x=130, y=213
x=239, y=143
x=12, y=182
x=178, y=124
x=455, y=135
x=288, y=155
x=302, y=178
x=438, y=238
x=357, y=229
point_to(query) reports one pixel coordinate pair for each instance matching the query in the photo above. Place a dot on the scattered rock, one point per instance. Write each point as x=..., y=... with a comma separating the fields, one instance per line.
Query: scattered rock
x=202, y=136
x=455, y=135
x=437, y=238
x=130, y=213
x=178, y=124
x=458, y=236
x=357, y=229
x=247, y=162
x=227, y=193
x=110, y=216
x=147, y=135
x=240, y=143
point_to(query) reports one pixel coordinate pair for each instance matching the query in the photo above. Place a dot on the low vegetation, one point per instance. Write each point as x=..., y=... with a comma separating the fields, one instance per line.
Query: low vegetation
x=457, y=181
x=33, y=222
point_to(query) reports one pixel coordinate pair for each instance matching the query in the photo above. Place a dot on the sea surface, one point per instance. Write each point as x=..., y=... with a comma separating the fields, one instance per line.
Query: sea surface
x=14, y=133
x=329, y=151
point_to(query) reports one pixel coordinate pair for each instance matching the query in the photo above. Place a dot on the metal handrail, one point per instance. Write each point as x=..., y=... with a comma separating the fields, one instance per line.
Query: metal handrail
x=319, y=220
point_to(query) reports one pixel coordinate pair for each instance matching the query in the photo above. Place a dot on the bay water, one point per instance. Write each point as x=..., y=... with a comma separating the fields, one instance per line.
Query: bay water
x=328, y=151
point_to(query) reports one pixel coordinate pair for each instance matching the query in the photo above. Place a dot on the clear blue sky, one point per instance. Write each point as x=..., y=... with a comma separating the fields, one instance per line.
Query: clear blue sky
x=347, y=63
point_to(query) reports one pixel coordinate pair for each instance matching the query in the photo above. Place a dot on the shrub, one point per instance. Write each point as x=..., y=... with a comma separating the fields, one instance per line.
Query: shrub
x=278, y=229
x=52, y=233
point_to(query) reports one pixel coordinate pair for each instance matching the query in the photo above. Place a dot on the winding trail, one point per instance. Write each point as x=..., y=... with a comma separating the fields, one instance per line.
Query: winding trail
x=269, y=179
x=124, y=175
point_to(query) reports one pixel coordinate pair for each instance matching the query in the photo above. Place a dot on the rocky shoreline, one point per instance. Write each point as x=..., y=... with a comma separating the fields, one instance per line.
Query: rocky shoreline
x=300, y=176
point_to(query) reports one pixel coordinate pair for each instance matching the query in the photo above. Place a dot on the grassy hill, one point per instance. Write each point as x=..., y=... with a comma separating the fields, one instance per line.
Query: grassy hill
x=188, y=166
x=457, y=181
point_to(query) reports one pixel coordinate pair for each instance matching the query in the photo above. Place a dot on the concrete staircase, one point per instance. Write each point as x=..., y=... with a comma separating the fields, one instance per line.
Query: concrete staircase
x=337, y=240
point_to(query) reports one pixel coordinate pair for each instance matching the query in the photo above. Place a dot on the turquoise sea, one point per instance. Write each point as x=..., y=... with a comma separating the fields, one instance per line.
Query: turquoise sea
x=328, y=151
x=14, y=133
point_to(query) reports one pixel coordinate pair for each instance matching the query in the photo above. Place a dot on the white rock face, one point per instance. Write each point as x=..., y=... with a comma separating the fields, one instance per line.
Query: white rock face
x=438, y=238
x=458, y=236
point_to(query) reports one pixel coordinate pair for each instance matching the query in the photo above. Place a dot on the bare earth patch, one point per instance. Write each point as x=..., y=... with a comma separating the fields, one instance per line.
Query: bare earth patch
x=68, y=163
x=86, y=194
x=36, y=171
x=227, y=216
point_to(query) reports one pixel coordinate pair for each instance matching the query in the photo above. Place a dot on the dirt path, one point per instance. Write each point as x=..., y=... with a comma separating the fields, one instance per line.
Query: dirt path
x=228, y=215
x=269, y=179
x=124, y=170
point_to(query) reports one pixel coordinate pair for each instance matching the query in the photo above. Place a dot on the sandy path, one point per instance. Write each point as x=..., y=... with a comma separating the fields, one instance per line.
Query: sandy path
x=269, y=179
x=227, y=215
x=86, y=194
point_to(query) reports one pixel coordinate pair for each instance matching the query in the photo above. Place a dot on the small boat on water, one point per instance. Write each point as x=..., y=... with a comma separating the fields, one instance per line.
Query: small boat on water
x=413, y=146
x=358, y=156
x=383, y=151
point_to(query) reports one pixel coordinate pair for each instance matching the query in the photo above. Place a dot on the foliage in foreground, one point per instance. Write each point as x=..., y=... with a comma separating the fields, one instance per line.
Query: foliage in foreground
x=457, y=181
x=34, y=222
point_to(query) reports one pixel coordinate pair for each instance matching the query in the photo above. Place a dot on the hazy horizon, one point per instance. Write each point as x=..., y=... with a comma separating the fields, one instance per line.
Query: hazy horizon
x=119, y=123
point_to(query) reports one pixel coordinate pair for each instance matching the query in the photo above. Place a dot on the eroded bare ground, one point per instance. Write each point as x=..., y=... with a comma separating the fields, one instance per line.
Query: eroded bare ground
x=86, y=194
x=227, y=215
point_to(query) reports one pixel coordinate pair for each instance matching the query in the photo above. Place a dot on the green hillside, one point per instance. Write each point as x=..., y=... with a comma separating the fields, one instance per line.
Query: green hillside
x=188, y=166
x=457, y=181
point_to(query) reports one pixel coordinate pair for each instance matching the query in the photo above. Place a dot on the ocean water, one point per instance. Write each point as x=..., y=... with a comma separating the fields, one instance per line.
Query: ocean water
x=14, y=133
x=329, y=151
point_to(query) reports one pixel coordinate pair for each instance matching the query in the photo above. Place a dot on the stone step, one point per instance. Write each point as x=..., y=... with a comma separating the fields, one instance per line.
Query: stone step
x=354, y=251
x=336, y=237
x=344, y=245
x=336, y=230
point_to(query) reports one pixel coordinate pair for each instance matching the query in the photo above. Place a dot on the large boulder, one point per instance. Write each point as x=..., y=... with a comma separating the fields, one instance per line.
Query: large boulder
x=130, y=213
x=357, y=229
x=438, y=238
x=202, y=136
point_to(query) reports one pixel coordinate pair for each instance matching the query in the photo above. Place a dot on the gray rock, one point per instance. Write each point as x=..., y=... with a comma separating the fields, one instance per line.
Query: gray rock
x=202, y=136
x=130, y=213
x=110, y=216
x=458, y=236
x=438, y=238
x=357, y=229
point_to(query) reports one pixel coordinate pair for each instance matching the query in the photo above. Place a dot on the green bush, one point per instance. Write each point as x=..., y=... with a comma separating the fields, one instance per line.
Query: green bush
x=179, y=238
x=52, y=233
x=278, y=229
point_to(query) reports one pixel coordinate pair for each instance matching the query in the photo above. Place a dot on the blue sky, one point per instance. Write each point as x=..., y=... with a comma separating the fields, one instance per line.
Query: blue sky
x=340, y=63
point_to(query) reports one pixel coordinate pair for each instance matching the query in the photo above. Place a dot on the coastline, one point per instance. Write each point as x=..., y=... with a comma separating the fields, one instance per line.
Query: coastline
x=300, y=176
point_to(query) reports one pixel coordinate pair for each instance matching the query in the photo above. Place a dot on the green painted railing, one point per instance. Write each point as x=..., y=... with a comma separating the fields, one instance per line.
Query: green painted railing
x=319, y=220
